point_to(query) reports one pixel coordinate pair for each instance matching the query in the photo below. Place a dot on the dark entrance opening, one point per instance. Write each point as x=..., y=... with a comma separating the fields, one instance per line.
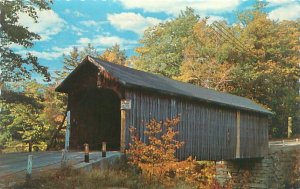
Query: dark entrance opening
x=97, y=119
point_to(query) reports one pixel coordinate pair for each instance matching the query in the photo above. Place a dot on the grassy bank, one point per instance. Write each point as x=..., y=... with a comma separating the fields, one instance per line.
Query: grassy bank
x=69, y=179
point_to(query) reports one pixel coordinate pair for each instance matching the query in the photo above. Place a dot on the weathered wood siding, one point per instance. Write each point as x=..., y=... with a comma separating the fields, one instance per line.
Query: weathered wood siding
x=208, y=131
x=254, y=134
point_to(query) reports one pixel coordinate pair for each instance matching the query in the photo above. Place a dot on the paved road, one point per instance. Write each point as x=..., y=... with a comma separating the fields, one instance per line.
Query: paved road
x=13, y=163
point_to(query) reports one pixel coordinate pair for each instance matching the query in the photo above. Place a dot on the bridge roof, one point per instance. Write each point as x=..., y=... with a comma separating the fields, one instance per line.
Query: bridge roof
x=129, y=77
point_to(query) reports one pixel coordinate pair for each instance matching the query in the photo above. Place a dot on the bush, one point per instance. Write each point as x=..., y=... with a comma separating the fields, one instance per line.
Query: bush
x=157, y=161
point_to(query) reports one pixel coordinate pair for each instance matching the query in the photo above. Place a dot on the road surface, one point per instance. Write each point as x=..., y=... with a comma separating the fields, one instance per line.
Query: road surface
x=14, y=163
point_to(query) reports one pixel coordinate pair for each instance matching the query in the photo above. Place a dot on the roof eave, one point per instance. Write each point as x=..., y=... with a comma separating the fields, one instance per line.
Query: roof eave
x=267, y=112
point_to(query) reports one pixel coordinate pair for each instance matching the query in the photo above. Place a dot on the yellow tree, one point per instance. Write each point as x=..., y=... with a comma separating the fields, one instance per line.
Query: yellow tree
x=270, y=73
x=206, y=59
x=114, y=55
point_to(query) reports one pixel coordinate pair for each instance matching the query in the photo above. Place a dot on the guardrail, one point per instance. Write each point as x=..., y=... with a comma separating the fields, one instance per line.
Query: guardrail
x=285, y=142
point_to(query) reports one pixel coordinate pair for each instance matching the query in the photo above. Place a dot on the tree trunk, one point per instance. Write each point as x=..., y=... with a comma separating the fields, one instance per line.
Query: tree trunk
x=55, y=133
x=30, y=146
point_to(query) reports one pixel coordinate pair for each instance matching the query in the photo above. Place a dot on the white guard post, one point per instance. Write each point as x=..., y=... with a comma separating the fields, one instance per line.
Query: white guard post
x=64, y=158
x=29, y=167
x=67, y=139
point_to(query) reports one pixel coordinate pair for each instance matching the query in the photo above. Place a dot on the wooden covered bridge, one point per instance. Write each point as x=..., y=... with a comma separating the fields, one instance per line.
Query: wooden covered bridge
x=213, y=125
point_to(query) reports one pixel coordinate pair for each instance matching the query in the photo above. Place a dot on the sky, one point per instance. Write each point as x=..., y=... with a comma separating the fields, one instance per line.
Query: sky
x=104, y=23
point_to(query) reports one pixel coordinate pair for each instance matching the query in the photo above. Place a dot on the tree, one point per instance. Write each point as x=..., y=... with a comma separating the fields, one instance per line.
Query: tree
x=163, y=45
x=14, y=66
x=208, y=74
x=208, y=60
x=32, y=112
x=72, y=60
x=114, y=55
x=21, y=120
x=54, y=115
x=270, y=73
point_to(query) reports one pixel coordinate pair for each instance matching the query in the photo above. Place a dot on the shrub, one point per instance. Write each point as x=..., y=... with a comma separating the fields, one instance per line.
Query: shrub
x=157, y=161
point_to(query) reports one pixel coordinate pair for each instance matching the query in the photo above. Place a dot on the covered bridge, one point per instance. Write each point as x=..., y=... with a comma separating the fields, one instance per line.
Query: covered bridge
x=213, y=125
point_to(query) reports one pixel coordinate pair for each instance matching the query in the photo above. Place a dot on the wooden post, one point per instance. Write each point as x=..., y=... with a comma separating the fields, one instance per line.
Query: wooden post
x=125, y=105
x=290, y=126
x=29, y=168
x=123, y=131
x=64, y=158
x=238, y=134
x=30, y=146
x=103, y=149
x=86, y=153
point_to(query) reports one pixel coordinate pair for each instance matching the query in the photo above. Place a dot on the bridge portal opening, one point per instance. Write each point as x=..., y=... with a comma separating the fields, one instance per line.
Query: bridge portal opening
x=96, y=118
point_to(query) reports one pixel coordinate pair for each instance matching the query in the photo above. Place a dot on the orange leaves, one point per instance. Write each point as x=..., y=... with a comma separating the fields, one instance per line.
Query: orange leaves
x=157, y=160
x=114, y=55
x=59, y=118
x=157, y=157
x=207, y=73
x=295, y=172
x=161, y=147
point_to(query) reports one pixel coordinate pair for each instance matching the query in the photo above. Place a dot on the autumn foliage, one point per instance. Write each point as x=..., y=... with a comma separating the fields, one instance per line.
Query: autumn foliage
x=254, y=57
x=294, y=179
x=157, y=158
x=157, y=161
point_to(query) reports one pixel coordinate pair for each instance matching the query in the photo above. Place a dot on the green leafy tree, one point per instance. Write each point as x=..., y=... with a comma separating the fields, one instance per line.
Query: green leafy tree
x=21, y=120
x=163, y=45
x=72, y=60
x=14, y=66
x=54, y=115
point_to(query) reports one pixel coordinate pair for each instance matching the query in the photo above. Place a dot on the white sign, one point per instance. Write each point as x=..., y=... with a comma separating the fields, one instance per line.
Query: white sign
x=125, y=104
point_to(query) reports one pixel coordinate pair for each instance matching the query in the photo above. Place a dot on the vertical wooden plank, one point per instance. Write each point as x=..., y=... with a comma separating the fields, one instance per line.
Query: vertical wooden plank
x=203, y=130
x=190, y=128
x=180, y=129
x=123, y=131
x=238, y=134
x=131, y=114
x=220, y=133
x=208, y=130
x=141, y=107
x=194, y=131
x=138, y=114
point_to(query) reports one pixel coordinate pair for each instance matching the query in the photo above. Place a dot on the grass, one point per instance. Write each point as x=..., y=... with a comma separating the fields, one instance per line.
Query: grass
x=96, y=178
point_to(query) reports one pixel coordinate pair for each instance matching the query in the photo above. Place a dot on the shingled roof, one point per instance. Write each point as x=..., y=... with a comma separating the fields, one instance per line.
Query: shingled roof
x=135, y=78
